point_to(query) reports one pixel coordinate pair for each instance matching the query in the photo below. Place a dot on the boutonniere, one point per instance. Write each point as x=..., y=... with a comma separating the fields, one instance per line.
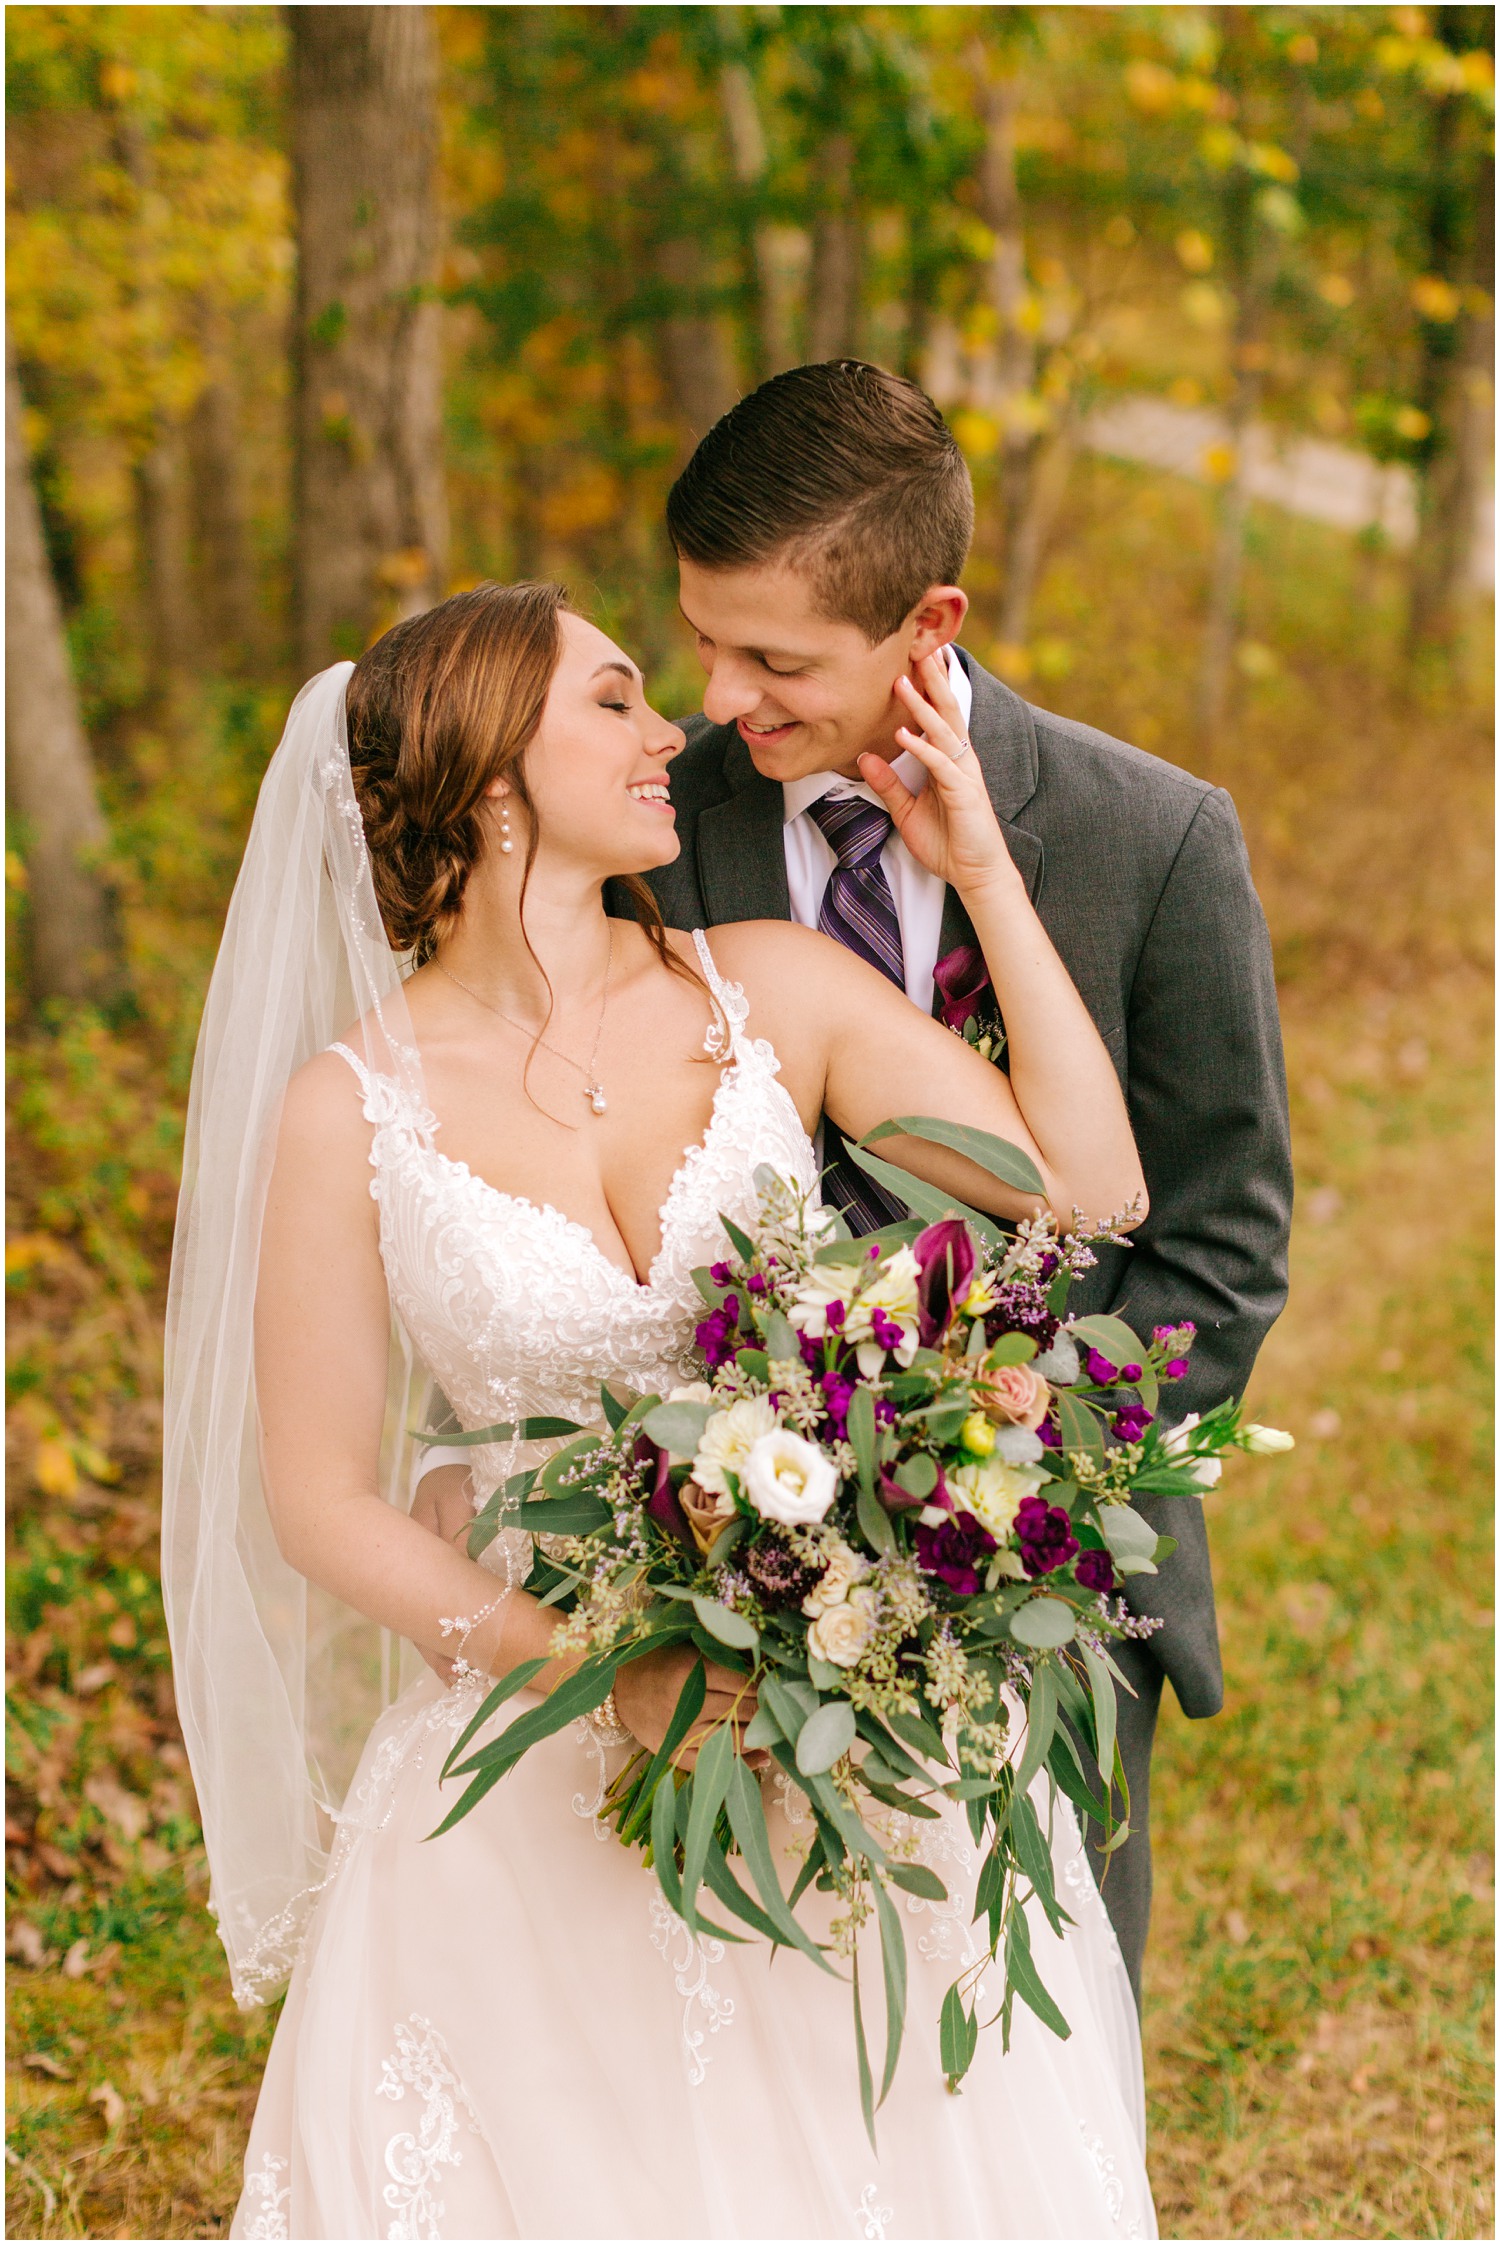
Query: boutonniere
x=968, y=1000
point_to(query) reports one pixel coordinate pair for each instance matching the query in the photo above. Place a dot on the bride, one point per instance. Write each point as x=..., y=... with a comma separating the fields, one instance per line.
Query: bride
x=454, y=1127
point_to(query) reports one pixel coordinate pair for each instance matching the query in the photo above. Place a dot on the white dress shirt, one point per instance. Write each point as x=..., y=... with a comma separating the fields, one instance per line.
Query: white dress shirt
x=918, y=894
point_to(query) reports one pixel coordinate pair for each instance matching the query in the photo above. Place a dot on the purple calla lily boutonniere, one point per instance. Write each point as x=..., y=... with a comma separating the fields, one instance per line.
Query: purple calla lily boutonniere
x=968, y=1000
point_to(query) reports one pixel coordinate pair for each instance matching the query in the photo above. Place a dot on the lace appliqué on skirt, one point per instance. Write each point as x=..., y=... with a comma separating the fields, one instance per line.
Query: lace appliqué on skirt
x=420, y=2061
x=870, y=2214
x=269, y=2196
x=690, y=1958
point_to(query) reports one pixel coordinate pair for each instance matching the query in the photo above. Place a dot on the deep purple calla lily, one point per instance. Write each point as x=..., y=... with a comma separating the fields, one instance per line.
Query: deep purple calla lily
x=662, y=1503
x=896, y=1499
x=945, y=1272
x=964, y=981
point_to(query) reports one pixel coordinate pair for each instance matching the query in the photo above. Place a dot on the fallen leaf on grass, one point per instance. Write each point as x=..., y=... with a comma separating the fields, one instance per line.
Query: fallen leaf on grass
x=76, y=1963
x=23, y=1941
x=40, y=2063
x=125, y=1810
x=113, y=2103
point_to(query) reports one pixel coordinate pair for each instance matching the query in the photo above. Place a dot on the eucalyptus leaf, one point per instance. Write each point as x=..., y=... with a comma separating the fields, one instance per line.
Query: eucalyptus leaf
x=523, y=1430
x=1022, y=1975
x=1018, y=1445
x=825, y=1736
x=1111, y=1336
x=916, y=1878
x=917, y=1474
x=782, y=1346
x=710, y=1781
x=677, y=1428
x=924, y=1199
x=1101, y=1684
x=1061, y=1363
x=893, y=1963
x=729, y=1627
x=1043, y=1623
x=1131, y=1539
x=1011, y=1348
x=997, y=1156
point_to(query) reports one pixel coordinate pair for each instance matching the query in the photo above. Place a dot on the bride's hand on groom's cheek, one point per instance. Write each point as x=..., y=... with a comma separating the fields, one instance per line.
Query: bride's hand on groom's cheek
x=949, y=825
x=647, y=1691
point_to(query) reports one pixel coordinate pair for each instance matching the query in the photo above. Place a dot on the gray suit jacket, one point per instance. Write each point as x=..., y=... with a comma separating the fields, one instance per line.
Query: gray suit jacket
x=1140, y=875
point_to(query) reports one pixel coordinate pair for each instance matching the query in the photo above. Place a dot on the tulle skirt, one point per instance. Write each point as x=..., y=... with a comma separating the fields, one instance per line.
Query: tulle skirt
x=505, y=2033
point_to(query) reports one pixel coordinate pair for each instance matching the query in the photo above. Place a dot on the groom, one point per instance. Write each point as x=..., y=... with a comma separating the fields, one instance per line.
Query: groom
x=821, y=528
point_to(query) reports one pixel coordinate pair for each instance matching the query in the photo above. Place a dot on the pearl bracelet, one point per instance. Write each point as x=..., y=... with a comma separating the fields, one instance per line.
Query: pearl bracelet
x=605, y=1722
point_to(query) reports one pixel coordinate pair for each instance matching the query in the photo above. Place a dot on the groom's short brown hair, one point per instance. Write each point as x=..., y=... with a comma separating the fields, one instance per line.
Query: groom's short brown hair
x=839, y=470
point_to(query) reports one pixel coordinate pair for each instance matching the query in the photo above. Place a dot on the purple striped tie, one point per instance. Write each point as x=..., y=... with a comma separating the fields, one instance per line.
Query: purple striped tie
x=859, y=911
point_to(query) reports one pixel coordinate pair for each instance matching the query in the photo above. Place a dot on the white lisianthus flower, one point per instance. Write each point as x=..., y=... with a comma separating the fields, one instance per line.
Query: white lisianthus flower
x=728, y=1440
x=992, y=1490
x=842, y=1634
x=845, y=1567
x=889, y=1293
x=1206, y=1472
x=696, y=1391
x=789, y=1480
x=1267, y=1442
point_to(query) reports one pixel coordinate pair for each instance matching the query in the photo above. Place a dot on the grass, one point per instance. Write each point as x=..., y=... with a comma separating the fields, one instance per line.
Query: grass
x=1317, y=2022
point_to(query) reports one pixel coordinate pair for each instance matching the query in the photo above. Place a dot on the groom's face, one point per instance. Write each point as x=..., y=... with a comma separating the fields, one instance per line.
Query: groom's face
x=806, y=692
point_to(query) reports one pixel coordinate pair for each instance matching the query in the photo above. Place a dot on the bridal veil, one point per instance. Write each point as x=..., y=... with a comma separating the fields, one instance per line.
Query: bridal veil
x=277, y=1683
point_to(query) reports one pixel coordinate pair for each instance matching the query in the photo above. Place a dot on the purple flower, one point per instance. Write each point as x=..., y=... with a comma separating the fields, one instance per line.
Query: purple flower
x=812, y=1351
x=954, y=1551
x=1045, y=1534
x=884, y=1330
x=833, y=1317
x=1095, y=1571
x=718, y=1334
x=719, y=1273
x=886, y=1413
x=1129, y=1373
x=1131, y=1421
x=662, y=1504
x=945, y=1272
x=964, y=981
x=1177, y=1369
x=837, y=1392
x=755, y=1284
x=1021, y=1308
x=1048, y=1435
x=1100, y=1370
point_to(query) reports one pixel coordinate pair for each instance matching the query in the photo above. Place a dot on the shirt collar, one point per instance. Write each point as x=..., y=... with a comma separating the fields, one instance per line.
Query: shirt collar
x=798, y=796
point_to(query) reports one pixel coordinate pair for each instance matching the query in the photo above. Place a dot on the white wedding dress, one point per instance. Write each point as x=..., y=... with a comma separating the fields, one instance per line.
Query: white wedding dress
x=505, y=2032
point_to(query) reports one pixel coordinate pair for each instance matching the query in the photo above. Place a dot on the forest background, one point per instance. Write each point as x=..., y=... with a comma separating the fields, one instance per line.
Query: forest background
x=315, y=315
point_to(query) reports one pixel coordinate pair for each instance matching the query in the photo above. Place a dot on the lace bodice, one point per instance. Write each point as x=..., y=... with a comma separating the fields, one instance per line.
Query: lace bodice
x=513, y=1307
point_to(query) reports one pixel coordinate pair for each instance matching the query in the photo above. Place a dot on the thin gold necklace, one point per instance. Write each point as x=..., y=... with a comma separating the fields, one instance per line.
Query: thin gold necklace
x=593, y=1090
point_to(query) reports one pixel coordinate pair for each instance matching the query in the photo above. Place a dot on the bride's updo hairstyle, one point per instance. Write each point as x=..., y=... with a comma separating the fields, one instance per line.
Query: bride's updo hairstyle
x=439, y=708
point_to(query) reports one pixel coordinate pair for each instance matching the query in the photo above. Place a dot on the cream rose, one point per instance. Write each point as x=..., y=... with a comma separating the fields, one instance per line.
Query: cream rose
x=727, y=1441
x=992, y=1491
x=845, y=1568
x=1016, y=1395
x=708, y=1513
x=696, y=1391
x=789, y=1480
x=842, y=1634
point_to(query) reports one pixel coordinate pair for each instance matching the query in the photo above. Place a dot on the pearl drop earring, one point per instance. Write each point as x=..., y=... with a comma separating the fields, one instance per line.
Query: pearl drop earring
x=506, y=844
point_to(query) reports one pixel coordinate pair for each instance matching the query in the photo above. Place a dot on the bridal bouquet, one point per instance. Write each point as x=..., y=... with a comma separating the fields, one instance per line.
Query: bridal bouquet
x=898, y=1504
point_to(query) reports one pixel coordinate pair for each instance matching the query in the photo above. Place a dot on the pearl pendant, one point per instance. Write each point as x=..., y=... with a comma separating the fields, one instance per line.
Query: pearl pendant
x=594, y=1094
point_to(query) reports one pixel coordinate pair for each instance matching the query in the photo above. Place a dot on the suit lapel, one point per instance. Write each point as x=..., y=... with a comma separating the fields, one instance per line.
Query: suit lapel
x=741, y=854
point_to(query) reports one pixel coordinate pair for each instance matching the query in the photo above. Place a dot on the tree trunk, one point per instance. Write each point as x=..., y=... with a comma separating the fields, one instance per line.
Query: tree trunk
x=1027, y=492
x=161, y=513
x=225, y=576
x=773, y=256
x=833, y=285
x=1248, y=357
x=694, y=344
x=72, y=929
x=1457, y=357
x=372, y=530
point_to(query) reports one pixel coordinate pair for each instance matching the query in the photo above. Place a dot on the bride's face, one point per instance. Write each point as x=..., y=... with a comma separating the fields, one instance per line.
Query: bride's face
x=596, y=767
